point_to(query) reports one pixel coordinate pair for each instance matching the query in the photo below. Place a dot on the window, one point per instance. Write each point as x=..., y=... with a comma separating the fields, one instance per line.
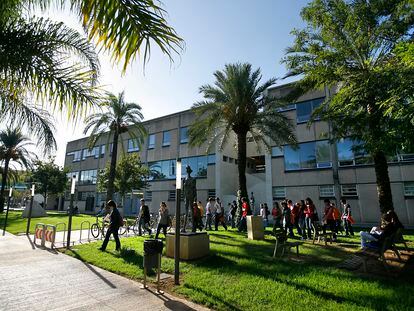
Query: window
x=87, y=153
x=148, y=195
x=83, y=195
x=71, y=174
x=77, y=155
x=309, y=155
x=225, y=158
x=409, y=189
x=211, y=193
x=183, y=135
x=279, y=192
x=88, y=177
x=171, y=195
x=102, y=151
x=352, y=153
x=304, y=109
x=349, y=190
x=211, y=159
x=231, y=160
x=166, y=138
x=326, y=191
x=197, y=164
x=405, y=157
x=133, y=145
x=151, y=141
x=287, y=107
x=277, y=152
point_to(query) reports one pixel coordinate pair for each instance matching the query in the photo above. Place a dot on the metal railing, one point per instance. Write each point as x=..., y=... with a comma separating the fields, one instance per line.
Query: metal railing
x=64, y=231
x=81, y=230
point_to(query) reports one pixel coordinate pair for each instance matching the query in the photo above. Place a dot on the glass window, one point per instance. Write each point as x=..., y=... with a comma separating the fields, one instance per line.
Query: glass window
x=409, y=188
x=326, y=191
x=102, y=151
x=345, y=153
x=304, y=109
x=148, y=196
x=349, y=190
x=307, y=155
x=279, y=192
x=292, y=161
x=287, y=107
x=133, y=145
x=183, y=135
x=277, y=151
x=323, y=154
x=171, y=195
x=88, y=177
x=225, y=158
x=211, y=193
x=151, y=141
x=77, y=155
x=166, y=138
x=201, y=167
x=156, y=170
x=211, y=159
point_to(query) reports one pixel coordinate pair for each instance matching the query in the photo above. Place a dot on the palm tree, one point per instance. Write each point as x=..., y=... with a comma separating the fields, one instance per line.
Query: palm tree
x=13, y=146
x=119, y=117
x=236, y=103
x=36, y=55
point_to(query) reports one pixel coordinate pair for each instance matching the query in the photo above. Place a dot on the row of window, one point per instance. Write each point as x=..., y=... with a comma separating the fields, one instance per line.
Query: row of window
x=349, y=190
x=304, y=109
x=85, y=177
x=166, y=169
x=172, y=195
x=317, y=154
x=230, y=160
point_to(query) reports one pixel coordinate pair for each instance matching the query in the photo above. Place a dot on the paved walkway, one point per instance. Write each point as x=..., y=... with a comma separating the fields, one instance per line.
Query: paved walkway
x=36, y=279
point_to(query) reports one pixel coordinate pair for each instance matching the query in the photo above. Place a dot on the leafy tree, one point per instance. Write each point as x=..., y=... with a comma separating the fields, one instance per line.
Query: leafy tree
x=50, y=178
x=237, y=104
x=354, y=45
x=130, y=175
x=13, y=146
x=118, y=117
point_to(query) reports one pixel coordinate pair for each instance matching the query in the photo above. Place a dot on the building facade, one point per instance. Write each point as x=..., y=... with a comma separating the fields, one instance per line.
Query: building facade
x=317, y=168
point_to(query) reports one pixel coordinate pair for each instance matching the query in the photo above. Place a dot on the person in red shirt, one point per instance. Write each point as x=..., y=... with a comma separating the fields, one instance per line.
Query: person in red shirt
x=329, y=218
x=245, y=212
x=310, y=212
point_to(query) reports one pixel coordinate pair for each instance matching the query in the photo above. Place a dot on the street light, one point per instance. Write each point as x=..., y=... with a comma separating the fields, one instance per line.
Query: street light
x=7, y=211
x=29, y=217
x=178, y=184
x=72, y=194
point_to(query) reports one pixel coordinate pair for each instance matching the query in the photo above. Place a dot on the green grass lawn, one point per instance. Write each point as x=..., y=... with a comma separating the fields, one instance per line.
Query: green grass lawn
x=240, y=274
x=16, y=224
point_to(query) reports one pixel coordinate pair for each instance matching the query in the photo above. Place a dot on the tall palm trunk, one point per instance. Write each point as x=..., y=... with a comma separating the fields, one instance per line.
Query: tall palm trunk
x=3, y=183
x=111, y=179
x=383, y=182
x=241, y=155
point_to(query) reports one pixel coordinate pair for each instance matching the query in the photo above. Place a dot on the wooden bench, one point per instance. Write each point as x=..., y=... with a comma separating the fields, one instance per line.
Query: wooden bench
x=379, y=253
x=399, y=238
x=283, y=244
x=318, y=234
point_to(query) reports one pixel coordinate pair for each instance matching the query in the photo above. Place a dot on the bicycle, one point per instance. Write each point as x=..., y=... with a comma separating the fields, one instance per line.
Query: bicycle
x=97, y=229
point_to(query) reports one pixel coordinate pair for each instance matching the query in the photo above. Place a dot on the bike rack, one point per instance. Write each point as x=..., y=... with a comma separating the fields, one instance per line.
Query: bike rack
x=40, y=233
x=50, y=235
x=64, y=231
x=89, y=230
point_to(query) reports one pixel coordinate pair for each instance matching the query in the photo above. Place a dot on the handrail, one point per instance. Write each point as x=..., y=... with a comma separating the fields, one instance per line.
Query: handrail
x=89, y=230
x=64, y=231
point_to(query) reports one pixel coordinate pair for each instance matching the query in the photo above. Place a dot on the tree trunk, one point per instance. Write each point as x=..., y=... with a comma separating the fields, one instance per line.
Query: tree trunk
x=111, y=178
x=241, y=154
x=383, y=182
x=3, y=183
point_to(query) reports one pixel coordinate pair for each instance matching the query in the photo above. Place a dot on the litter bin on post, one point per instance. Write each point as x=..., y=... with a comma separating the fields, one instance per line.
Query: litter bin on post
x=152, y=259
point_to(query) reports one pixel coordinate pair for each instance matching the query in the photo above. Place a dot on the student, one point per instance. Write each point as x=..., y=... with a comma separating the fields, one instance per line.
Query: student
x=201, y=208
x=245, y=212
x=301, y=218
x=219, y=215
x=310, y=212
x=162, y=219
x=264, y=215
x=277, y=216
x=294, y=213
x=286, y=214
x=233, y=210
x=144, y=218
x=210, y=211
x=196, y=217
x=329, y=218
x=115, y=223
x=347, y=218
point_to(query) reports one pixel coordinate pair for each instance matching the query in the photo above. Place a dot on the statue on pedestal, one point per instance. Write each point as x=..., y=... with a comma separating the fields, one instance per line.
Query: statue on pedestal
x=190, y=195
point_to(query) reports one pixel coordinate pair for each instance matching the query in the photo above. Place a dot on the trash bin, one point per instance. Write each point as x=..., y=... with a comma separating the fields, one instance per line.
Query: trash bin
x=152, y=249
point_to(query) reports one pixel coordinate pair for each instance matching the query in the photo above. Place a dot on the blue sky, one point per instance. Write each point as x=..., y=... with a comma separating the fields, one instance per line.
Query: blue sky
x=216, y=32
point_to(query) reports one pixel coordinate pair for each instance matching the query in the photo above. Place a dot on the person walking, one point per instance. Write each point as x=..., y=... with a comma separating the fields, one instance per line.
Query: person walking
x=302, y=218
x=219, y=219
x=286, y=214
x=294, y=213
x=210, y=211
x=245, y=212
x=201, y=208
x=162, y=219
x=277, y=216
x=232, y=212
x=144, y=218
x=347, y=218
x=264, y=213
x=329, y=219
x=310, y=216
x=115, y=222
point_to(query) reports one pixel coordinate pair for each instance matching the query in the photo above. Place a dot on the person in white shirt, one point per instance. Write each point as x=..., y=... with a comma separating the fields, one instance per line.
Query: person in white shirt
x=210, y=211
x=219, y=219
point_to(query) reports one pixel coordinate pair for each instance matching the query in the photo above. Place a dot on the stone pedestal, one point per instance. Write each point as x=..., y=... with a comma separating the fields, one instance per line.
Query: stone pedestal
x=255, y=230
x=37, y=210
x=192, y=245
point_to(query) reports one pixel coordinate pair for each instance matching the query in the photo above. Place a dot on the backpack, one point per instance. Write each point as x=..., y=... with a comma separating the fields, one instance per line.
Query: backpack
x=267, y=212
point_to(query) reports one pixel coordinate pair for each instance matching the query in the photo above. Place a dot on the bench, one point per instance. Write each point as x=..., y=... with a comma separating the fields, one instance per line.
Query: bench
x=379, y=252
x=282, y=243
x=318, y=233
x=399, y=238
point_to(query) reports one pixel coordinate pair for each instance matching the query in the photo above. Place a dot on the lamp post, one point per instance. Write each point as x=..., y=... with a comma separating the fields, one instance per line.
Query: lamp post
x=72, y=194
x=177, y=222
x=7, y=211
x=29, y=217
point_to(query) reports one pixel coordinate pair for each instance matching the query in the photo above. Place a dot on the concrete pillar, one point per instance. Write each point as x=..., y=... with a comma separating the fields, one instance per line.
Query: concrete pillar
x=269, y=181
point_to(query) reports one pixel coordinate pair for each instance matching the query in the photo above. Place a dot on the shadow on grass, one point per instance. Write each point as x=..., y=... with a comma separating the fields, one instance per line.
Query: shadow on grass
x=131, y=256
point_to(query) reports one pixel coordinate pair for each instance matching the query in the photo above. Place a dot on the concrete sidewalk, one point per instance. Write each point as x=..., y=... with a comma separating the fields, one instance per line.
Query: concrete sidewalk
x=36, y=279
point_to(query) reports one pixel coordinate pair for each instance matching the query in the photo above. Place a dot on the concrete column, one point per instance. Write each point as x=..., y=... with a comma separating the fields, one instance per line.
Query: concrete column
x=219, y=164
x=269, y=181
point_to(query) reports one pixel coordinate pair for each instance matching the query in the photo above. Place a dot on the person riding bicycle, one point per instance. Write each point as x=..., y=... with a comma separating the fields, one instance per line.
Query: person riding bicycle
x=114, y=224
x=144, y=218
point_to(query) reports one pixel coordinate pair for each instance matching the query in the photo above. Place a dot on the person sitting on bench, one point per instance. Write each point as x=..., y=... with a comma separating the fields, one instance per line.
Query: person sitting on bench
x=389, y=225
